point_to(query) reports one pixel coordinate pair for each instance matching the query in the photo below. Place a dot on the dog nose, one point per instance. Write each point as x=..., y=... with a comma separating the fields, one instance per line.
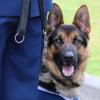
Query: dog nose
x=68, y=56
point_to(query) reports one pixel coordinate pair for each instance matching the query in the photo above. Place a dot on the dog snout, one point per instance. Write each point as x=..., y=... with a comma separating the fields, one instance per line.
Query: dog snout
x=68, y=56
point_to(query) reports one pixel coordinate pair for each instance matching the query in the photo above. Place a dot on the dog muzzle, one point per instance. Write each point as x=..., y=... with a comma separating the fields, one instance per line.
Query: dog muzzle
x=67, y=60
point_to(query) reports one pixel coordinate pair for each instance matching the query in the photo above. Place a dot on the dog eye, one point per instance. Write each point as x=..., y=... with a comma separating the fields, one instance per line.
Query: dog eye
x=58, y=41
x=77, y=42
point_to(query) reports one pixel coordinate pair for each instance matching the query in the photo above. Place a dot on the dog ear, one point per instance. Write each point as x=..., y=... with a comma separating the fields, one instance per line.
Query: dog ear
x=82, y=19
x=55, y=17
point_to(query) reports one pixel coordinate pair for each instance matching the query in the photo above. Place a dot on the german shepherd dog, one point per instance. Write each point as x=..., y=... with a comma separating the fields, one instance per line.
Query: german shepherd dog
x=67, y=52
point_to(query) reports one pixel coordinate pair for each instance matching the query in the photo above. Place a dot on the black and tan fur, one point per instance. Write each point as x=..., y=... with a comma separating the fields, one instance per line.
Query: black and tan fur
x=73, y=36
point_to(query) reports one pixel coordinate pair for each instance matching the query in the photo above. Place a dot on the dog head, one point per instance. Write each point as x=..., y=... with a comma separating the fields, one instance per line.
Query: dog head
x=63, y=50
x=67, y=42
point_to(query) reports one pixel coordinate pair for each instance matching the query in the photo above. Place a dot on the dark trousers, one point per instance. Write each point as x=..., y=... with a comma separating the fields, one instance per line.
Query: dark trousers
x=19, y=63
